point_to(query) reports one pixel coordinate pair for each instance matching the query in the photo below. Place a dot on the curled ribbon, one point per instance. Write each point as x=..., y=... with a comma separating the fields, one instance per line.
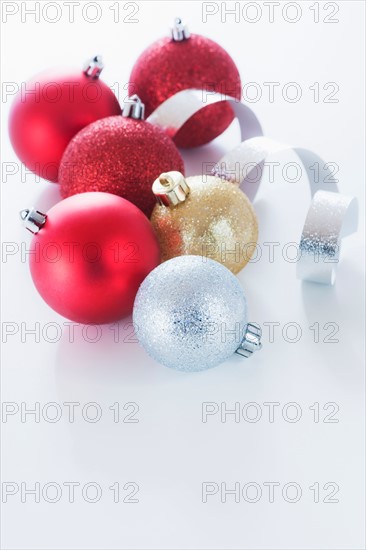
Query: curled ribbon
x=331, y=215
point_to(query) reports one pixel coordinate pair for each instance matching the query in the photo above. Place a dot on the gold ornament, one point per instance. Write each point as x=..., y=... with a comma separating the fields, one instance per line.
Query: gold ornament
x=204, y=216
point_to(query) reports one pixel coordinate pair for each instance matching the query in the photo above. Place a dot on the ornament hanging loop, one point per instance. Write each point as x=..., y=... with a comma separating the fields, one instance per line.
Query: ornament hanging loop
x=251, y=341
x=170, y=188
x=32, y=219
x=93, y=67
x=133, y=108
x=179, y=31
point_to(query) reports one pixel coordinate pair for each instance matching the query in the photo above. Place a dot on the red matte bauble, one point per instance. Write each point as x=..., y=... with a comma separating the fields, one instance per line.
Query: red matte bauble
x=49, y=110
x=89, y=258
x=167, y=67
x=119, y=155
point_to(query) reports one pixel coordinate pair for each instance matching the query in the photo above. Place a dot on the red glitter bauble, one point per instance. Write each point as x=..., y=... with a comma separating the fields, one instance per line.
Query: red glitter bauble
x=119, y=155
x=167, y=67
x=89, y=258
x=49, y=110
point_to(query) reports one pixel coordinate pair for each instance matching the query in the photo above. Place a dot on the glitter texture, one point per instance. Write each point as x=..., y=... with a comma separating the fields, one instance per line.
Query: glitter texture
x=330, y=215
x=216, y=220
x=190, y=313
x=118, y=155
x=167, y=67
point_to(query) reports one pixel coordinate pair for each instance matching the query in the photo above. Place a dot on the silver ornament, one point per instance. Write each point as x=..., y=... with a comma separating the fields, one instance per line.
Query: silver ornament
x=190, y=314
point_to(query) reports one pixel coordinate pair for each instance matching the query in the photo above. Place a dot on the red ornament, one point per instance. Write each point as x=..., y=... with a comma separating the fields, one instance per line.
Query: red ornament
x=89, y=255
x=121, y=155
x=184, y=61
x=51, y=109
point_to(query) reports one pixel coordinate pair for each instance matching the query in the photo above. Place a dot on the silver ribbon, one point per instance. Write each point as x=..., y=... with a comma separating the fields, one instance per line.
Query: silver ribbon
x=331, y=215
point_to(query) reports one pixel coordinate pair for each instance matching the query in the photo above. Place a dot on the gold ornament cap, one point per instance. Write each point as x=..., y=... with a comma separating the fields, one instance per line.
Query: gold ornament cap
x=170, y=188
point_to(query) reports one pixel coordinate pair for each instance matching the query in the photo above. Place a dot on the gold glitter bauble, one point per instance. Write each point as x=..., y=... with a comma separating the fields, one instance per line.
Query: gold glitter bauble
x=215, y=219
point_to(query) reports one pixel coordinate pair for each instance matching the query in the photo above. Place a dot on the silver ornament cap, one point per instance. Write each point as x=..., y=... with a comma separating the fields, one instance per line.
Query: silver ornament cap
x=93, y=67
x=251, y=341
x=179, y=31
x=133, y=108
x=170, y=188
x=33, y=219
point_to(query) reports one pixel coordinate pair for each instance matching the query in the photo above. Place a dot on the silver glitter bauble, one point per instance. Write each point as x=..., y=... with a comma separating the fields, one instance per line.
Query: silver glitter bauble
x=190, y=313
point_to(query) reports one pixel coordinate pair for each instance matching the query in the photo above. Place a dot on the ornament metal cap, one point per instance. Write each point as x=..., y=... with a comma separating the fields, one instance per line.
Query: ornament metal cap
x=133, y=108
x=251, y=341
x=33, y=219
x=170, y=188
x=179, y=31
x=93, y=67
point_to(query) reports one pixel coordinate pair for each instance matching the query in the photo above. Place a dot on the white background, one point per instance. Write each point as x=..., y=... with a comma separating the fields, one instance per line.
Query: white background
x=170, y=452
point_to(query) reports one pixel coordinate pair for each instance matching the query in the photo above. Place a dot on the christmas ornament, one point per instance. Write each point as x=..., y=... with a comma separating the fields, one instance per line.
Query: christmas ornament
x=330, y=216
x=120, y=155
x=187, y=61
x=51, y=109
x=204, y=215
x=190, y=314
x=89, y=255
